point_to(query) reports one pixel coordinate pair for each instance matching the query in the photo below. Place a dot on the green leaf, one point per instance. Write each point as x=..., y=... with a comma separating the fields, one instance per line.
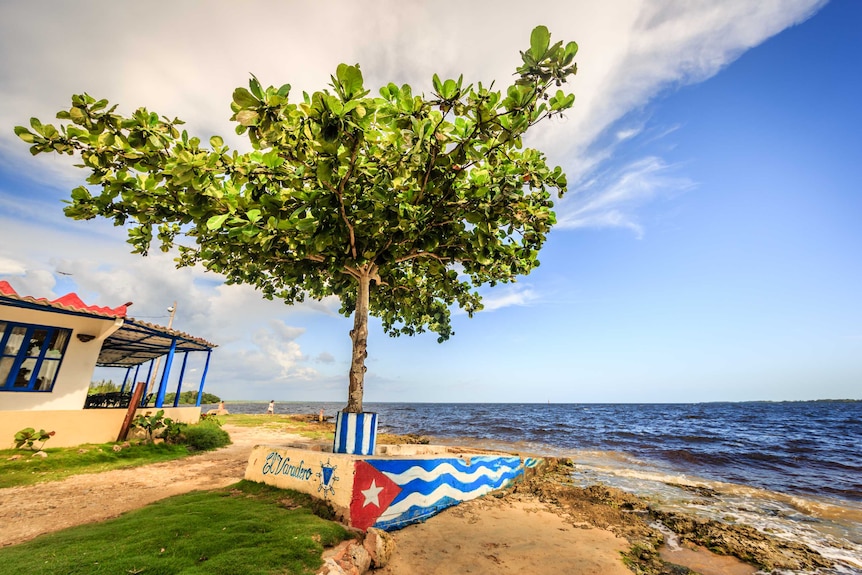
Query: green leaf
x=307, y=224
x=255, y=87
x=438, y=86
x=449, y=89
x=25, y=134
x=244, y=99
x=216, y=222
x=215, y=141
x=247, y=117
x=77, y=115
x=80, y=193
x=539, y=41
x=324, y=172
x=350, y=79
x=36, y=125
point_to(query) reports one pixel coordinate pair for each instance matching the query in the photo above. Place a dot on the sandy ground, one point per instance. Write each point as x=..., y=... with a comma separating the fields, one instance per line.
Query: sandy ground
x=491, y=535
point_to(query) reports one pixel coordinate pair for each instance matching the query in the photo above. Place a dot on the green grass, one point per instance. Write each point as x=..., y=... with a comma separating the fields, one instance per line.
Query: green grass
x=286, y=423
x=248, y=528
x=65, y=461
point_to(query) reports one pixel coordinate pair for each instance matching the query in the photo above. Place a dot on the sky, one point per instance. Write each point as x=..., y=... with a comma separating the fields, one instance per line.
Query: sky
x=709, y=247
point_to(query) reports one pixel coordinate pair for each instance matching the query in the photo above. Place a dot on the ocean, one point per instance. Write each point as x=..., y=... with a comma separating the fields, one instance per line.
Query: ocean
x=793, y=469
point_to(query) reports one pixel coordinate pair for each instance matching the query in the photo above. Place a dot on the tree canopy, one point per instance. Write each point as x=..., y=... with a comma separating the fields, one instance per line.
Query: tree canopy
x=399, y=204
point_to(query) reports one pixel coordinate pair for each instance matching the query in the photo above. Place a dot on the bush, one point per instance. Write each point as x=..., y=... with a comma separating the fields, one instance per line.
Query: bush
x=204, y=436
x=30, y=436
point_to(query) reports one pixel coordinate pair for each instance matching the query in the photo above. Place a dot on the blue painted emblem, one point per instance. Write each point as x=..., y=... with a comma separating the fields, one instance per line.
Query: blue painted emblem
x=327, y=478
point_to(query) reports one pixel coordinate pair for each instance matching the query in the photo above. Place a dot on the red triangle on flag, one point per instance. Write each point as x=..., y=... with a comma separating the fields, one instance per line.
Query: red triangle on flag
x=372, y=494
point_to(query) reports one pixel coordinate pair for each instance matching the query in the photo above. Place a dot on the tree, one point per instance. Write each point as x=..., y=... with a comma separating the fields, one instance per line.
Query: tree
x=400, y=205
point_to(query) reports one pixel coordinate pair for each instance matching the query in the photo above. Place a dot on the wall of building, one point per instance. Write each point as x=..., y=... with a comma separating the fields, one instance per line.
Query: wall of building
x=76, y=368
x=387, y=492
x=76, y=427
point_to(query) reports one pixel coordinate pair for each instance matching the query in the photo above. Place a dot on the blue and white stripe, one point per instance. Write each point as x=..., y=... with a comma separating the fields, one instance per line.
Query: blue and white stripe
x=355, y=433
x=429, y=486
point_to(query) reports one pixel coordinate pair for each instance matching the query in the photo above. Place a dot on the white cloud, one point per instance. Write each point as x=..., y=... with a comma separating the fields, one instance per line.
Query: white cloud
x=613, y=199
x=11, y=266
x=508, y=295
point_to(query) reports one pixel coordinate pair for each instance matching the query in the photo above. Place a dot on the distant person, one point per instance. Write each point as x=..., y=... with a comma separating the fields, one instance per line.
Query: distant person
x=222, y=410
x=271, y=409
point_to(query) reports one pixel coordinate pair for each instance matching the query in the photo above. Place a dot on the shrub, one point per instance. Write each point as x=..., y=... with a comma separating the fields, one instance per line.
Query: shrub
x=150, y=423
x=172, y=431
x=29, y=436
x=211, y=418
x=204, y=436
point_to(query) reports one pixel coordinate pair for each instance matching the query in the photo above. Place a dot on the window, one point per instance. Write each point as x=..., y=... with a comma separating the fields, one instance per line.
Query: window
x=30, y=356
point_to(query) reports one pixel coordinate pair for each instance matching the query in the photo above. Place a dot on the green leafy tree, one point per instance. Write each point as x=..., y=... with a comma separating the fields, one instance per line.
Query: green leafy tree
x=191, y=397
x=400, y=204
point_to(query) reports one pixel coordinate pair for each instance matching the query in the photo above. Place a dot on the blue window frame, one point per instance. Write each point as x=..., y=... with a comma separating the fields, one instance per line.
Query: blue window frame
x=30, y=355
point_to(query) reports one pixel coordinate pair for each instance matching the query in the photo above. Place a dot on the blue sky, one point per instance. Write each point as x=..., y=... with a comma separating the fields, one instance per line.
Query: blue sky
x=709, y=247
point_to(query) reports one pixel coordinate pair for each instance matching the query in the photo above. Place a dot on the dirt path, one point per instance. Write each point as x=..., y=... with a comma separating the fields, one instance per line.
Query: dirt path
x=26, y=512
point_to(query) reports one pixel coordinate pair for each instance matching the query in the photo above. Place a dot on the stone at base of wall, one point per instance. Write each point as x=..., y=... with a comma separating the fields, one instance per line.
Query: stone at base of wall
x=354, y=558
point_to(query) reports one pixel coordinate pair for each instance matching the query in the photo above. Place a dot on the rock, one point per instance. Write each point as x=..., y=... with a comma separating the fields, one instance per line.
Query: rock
x=41, y=454
x=359, y=557
x=126, y=445
x=330, y=567
x=347, y=558
x=15, y=457
x=380, y=546
x=158, y=441
x=83, y=450
x=117, y=448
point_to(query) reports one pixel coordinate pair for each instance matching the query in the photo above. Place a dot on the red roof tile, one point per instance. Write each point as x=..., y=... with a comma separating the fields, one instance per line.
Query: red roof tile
x=70, y=301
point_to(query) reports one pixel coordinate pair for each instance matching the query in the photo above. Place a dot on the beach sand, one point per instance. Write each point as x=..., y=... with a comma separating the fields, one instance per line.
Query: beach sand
x=521, y=532
x=506, y=535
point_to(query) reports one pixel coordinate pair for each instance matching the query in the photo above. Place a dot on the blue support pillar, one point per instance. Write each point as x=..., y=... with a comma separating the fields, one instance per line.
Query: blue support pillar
x=203, y=378
x=163, y=384
x=126, y=379
x=149, y=374
x=180, y=382
x=134, y=379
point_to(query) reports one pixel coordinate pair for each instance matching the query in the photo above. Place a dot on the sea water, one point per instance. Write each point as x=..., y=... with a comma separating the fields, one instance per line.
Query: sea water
x=793, y=469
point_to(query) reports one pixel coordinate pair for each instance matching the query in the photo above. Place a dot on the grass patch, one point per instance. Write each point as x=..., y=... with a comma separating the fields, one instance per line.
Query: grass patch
x=297, y=424
x=65, y=461
x=247, y=528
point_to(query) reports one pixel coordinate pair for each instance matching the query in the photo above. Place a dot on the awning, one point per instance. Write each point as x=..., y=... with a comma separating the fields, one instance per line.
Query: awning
x=134, y=343
x=138, y=342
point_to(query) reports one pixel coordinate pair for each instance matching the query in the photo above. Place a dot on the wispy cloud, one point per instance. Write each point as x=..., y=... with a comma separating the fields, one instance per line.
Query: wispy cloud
x=509, y=295
x=612, y=199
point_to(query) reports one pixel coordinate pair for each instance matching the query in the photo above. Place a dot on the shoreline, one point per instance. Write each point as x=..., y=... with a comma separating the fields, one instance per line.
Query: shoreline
x=535, y=524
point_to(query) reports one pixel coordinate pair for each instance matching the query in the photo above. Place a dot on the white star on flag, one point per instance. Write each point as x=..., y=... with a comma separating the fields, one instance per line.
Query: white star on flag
x=371, y=494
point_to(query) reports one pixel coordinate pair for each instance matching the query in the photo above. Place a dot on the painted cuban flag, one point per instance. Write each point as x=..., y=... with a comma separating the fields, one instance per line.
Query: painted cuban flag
x=390, y=494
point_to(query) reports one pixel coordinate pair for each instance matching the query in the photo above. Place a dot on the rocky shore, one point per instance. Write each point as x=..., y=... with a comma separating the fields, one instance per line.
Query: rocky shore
x=696, y=544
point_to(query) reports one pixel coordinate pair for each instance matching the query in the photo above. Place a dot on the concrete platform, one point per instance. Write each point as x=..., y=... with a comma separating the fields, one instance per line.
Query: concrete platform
x=397, y=486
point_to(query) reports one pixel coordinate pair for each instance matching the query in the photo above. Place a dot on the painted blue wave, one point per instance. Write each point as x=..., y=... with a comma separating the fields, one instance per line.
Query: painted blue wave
x=400, y=466
x=415, y=514
x=427, y=487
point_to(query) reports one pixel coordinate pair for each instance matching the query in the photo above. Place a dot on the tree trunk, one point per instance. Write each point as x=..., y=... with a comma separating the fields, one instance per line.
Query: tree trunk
x=359, y=335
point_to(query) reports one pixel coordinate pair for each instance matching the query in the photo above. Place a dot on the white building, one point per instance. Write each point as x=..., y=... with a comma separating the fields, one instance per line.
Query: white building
x=49, y=350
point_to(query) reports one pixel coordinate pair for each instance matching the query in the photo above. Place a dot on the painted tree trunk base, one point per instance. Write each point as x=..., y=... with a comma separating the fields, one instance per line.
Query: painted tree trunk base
x=355, y=433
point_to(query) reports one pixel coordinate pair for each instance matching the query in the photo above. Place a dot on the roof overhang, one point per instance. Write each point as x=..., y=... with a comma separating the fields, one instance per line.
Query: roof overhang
x=138, y=342
x=134, y=343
